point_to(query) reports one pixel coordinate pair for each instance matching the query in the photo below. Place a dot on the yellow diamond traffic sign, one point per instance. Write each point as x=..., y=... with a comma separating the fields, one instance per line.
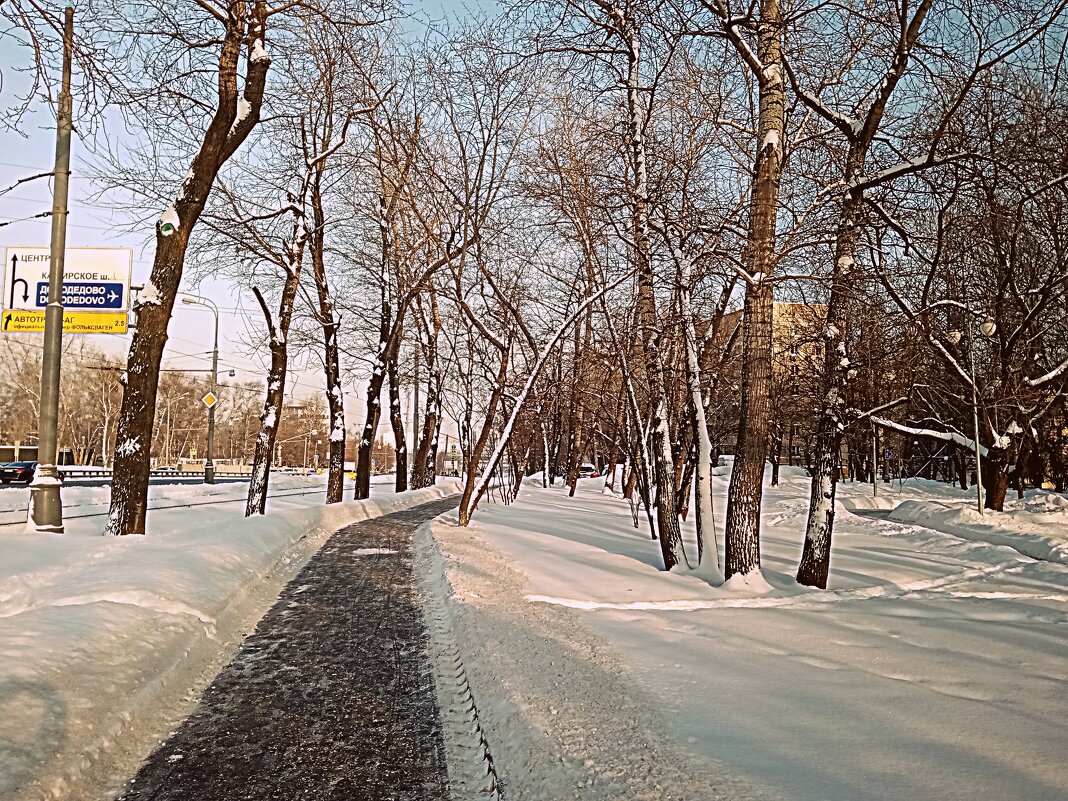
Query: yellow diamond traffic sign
x=209, y=400
x=19, y=321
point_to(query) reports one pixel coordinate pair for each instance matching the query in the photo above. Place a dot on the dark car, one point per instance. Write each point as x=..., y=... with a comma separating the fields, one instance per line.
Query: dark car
x=17, y=471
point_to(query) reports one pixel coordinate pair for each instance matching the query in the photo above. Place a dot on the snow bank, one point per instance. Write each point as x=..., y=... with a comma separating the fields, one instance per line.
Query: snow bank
x=1040, y=532
x=1035, y=526
x=105, y=642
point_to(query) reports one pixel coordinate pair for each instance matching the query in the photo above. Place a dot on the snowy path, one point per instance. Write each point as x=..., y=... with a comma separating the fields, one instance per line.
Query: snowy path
x=934, y=666
x=105, y=642
x=332, y=696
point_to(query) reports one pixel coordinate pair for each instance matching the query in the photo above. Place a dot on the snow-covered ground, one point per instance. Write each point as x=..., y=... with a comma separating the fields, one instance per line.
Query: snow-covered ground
x=933, y=667
x=105, y=642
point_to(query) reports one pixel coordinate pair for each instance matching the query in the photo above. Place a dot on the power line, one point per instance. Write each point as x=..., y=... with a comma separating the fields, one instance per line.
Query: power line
x=25, y=219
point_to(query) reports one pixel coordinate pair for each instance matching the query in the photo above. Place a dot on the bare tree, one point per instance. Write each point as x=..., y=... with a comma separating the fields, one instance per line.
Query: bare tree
x=862, y=118
x=235, y=105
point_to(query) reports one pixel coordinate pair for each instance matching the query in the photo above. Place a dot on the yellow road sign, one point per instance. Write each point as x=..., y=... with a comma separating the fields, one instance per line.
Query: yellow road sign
x=33, y=322
x=209, y=400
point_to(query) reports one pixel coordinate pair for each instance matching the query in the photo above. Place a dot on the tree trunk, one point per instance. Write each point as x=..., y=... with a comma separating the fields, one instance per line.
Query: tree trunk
x=222, y=138
x=816, y=554
x=225, y=133
x=742, y=531
x=545, y=456
x=961, y=466
x=631, y=481
x=707, y=549
x=519, y=469
x=995, y=480
x=374, y=405
x=746, y=485
x=425, y=460
x=667, y=521
x=776, y=452
x=400, y=477
x=256, y=503
x=270, y=417
x=470, y=498
x=335, y=403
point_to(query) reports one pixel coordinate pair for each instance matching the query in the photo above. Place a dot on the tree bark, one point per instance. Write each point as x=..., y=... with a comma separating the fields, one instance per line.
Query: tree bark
x=746, y=485
x=270, y=417
x=396, y=421
x=425, y=460
x=471, y=496
x=667, y=521
x=814, y=568
x=245, y=23
x=335, y=403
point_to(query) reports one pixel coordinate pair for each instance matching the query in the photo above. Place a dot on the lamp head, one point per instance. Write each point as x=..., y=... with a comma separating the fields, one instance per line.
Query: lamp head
x=953, y=337
x=189, y=301
x=988, y=327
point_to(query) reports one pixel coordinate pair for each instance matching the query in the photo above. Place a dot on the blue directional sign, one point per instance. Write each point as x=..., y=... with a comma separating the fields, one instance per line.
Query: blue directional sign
x=86, y=295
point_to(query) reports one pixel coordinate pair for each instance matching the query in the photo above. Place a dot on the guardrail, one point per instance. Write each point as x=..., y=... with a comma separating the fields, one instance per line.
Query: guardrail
x=69, y=471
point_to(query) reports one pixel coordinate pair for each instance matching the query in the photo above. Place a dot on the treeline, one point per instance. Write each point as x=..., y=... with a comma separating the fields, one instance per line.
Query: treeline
x=92, y=391
x=638, y=232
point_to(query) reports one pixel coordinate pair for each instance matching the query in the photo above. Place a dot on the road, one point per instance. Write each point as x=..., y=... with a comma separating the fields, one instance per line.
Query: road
x=105, y=481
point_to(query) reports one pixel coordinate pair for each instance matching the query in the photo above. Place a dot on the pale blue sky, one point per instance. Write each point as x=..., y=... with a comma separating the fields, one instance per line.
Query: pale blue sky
x=31, y=151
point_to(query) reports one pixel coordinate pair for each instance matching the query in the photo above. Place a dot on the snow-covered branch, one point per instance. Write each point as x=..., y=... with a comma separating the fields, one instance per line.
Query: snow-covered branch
x=929, y=433
x=1052, y=375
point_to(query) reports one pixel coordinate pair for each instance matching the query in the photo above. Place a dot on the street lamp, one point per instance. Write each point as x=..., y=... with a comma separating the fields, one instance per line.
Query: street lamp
x=46, y=506
x=278, y=445
x=209, y=465
x=987, y=328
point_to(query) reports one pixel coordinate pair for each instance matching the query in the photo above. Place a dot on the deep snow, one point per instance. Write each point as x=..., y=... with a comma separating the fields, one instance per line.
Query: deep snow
x=933, y=666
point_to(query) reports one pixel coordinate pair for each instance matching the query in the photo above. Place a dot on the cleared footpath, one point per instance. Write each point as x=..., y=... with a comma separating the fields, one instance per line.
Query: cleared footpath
x=332, y=696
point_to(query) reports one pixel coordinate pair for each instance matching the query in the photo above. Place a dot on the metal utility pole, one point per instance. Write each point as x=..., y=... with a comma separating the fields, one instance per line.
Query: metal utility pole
x=46, y=505
x=416, y=425
x=975, y=423
x=987, y=328
x=209, y=464
x=874, y=462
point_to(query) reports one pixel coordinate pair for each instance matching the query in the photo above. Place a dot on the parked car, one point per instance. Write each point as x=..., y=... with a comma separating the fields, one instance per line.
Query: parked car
x=17, y=471
x=588, y=471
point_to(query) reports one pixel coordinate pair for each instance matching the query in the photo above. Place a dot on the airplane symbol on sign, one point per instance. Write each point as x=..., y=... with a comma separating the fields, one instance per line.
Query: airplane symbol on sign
x=112, y=297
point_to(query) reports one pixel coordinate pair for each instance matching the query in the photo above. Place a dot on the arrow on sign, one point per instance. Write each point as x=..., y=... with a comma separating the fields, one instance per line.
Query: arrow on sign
x=7, y=320
x=14, y=280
